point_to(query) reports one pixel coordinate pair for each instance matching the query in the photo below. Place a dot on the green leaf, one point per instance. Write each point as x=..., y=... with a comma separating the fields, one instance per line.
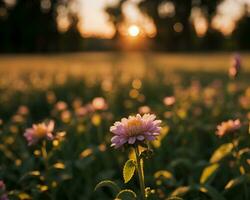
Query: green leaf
x=163, y=173
x=244, y=151
x=212, y=192
x=180, y=191
x=126, y=194
x=82, y=164
x=208, y=173
x=24, y=196
x=32, y=174
x=174, y=198
x=166, y=177
x=221, y=152
x=236, y=181
x=110, y=184
x=128, y=170
x=182, y=162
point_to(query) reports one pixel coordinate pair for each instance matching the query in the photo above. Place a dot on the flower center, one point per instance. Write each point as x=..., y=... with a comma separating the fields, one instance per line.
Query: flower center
x=134, y=127
x=40, y=130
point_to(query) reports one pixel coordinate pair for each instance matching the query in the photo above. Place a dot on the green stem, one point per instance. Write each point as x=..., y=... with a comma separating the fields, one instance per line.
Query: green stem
x=236, y=155
x=239, y=164
x=245, y=190
x=44, y=154
x=46, y=165
x=140, y=172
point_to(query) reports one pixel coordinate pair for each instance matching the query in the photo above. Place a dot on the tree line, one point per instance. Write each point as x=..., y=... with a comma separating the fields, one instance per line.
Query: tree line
x=32, y=26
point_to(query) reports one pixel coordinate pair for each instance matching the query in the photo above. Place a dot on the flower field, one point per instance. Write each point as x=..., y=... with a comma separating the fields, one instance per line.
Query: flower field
x=124, y=127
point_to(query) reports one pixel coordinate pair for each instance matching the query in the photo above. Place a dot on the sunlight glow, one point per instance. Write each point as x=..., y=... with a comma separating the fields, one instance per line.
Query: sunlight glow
x=133, y=31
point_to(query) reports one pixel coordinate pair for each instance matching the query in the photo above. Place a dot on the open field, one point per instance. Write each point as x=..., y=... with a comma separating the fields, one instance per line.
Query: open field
x=106, y=61
x=85, y=93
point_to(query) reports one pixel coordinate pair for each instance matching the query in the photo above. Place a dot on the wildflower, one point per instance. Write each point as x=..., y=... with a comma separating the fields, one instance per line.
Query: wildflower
x=89, y=108
x=235, y=67
x=144, y=110
x=229, y=126
x=77, y=103
x=2, y=186
x=61, y=105
x=81, y=111
x=135, y=129
x=168, y=101
x=51, y=97
x=3, y=195
x=17, y=118
x=23, y=110
x=39, y=131
x=66, y=116
x=99, y=103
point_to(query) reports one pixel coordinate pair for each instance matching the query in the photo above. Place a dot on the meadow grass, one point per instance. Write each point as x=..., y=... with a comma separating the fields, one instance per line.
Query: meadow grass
x=189, y=161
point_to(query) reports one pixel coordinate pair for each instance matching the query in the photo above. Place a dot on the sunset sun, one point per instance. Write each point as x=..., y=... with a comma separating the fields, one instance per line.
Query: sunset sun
x=133, y=31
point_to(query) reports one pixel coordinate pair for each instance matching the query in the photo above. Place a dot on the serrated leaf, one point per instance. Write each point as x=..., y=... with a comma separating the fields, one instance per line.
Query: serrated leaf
x=208, y=173
x=126, y=194
x=128, y=170
x=110, y=184
x=180, y=191
x=221, y=152
x=236, y=181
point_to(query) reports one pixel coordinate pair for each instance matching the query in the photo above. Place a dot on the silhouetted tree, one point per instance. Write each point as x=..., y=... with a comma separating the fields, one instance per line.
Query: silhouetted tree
x=116, y=15
x=174, y=32
x=213, y=39
x=71, y=40
x=31, y=26
x=241, y=34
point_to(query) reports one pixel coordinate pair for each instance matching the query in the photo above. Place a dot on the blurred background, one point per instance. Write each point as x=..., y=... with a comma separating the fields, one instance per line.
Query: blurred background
x=88, y=63
x=99, y=25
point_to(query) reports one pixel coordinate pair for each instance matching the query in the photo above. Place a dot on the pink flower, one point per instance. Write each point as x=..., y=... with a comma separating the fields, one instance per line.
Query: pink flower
x=61, y=105
x=99, y=103
x=81, y=111
x=169, y=101
x=23, y=110
x=235, y=66
x=229, y=126
x=2, y=186
x=38, y=132
x=3, y=195
x=144, y=110
x=135, y=129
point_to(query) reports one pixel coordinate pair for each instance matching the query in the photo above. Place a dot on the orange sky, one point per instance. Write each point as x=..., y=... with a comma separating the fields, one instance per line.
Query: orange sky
x=95, y=20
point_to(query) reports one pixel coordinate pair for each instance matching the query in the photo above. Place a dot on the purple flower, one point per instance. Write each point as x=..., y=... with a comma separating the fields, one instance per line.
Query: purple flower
x=135, y=129
x=235, y=66
x=39, y=131
x=3, y=195
x=2, y=186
